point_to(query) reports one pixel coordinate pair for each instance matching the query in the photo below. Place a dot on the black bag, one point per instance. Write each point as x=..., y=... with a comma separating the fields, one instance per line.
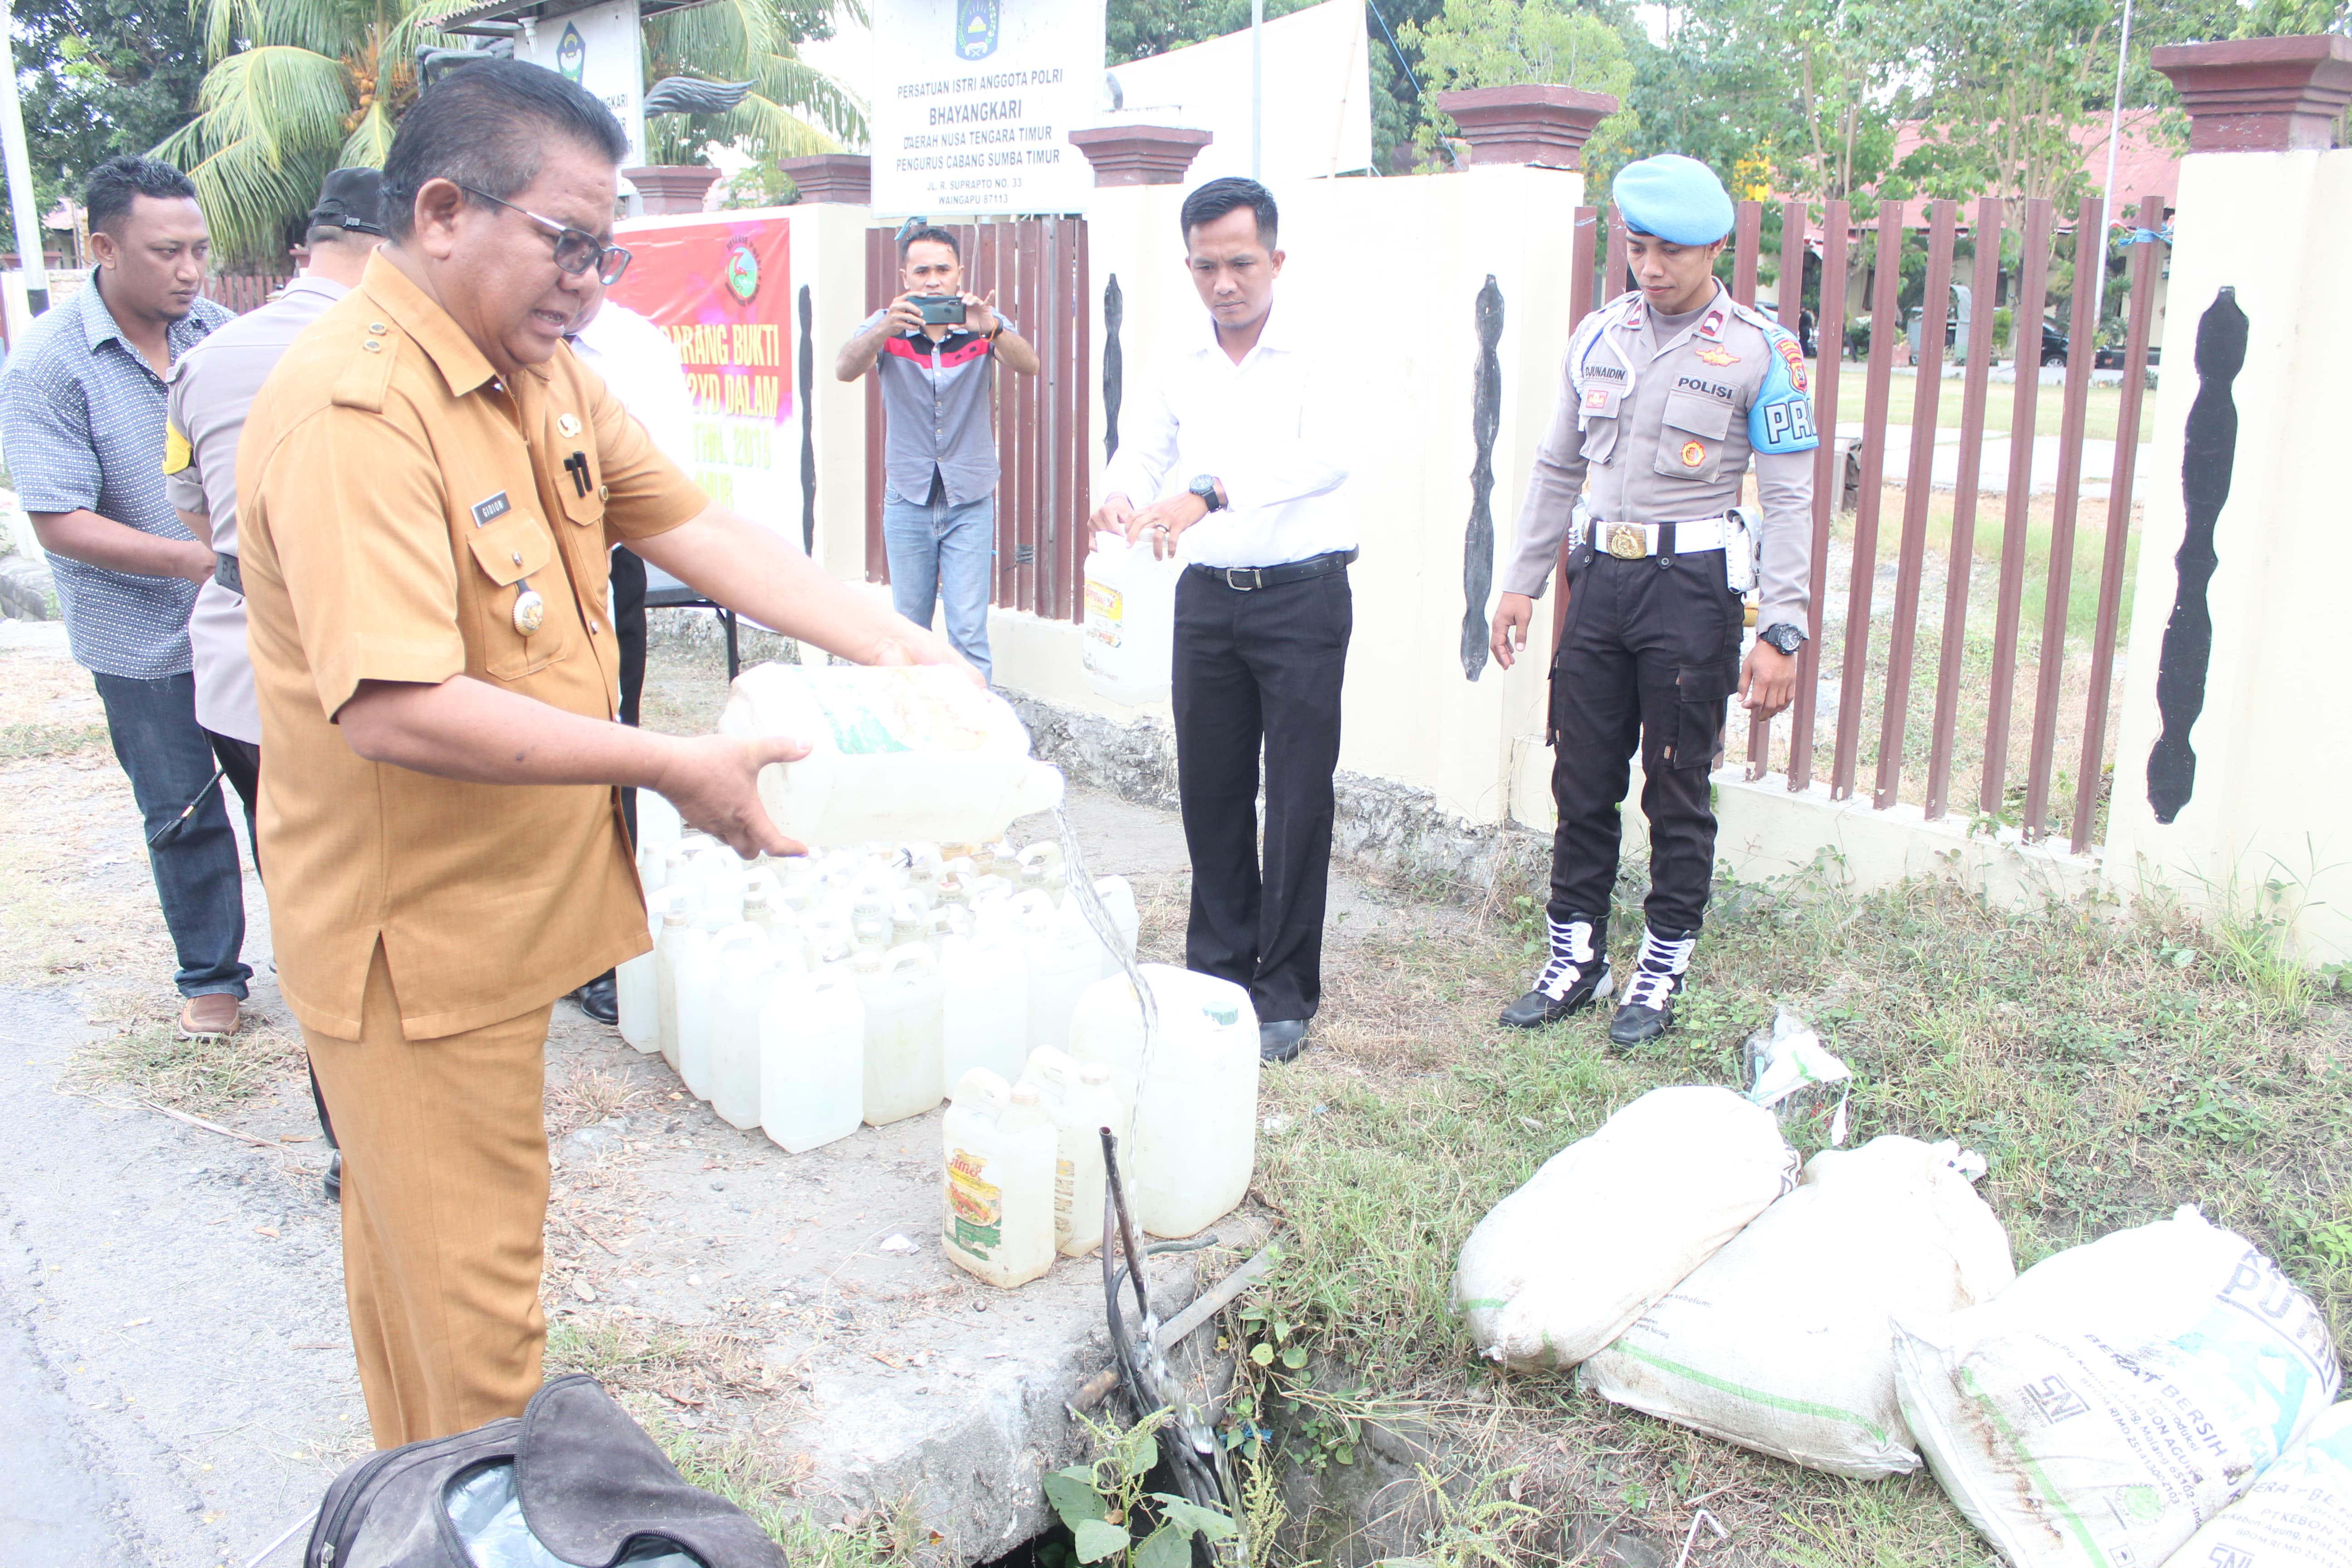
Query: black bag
x=594, y=1489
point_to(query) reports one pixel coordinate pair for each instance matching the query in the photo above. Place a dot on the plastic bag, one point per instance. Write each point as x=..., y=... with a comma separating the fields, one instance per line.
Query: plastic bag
x=1793, y=1076
x=489, y=1517
x=2300, y=1512
x=2119, y=1396
x=1783, y=1341
x=1615, y=1221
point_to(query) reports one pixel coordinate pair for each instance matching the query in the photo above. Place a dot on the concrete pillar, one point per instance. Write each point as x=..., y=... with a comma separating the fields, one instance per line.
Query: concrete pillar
x=667, y=188
x=845, y=177
x=1140, y=154
x=1535, y=124
x=2232, y=759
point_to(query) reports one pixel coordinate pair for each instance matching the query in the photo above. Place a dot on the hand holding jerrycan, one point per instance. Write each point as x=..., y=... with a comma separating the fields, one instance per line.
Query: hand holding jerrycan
x=895, y=753
x=1130, y=651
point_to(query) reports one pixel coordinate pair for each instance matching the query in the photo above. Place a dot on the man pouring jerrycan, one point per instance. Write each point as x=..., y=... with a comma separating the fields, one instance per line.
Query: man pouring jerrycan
x=1668, y=391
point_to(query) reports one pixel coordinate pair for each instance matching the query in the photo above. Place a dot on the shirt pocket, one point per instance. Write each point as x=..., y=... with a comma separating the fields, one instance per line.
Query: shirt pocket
x=1691, y=444
x=1597, y=410
x=582, y=499
x=515, y=556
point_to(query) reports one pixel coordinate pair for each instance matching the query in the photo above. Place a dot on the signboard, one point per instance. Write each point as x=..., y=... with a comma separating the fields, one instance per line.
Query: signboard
x=720, y=286
x=602, y=47
x=974, y=101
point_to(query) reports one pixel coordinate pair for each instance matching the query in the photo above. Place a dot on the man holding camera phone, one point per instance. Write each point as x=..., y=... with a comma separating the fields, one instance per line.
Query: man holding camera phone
x=934, y=348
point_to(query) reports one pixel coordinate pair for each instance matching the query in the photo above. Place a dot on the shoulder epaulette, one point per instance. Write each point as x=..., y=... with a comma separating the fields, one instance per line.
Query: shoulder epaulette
x=367, y=376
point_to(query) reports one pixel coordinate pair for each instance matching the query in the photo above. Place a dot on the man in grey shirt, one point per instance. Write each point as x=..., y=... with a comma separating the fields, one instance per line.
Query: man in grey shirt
x=211, y=389
x=81, y=417
x=938, y=444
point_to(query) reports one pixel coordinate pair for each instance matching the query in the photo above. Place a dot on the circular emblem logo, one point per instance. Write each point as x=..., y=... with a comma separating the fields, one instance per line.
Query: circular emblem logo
x=742, y=270
x=570, y=53
x=530, y=611
x=1694, y=454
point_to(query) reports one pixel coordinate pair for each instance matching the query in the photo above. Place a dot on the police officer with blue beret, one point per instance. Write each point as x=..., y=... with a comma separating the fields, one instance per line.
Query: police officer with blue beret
x=1670, y=392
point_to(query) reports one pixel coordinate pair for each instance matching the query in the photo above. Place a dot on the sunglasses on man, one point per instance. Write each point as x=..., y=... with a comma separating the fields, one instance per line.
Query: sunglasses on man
x=576, y=251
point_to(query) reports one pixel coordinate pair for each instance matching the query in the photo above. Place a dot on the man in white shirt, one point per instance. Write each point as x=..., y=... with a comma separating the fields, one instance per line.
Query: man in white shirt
x=1240, y=456
x=641, y=366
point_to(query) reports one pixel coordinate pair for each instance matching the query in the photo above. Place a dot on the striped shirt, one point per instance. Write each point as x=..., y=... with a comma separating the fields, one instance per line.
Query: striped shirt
x=81, y=424
x=937, y=402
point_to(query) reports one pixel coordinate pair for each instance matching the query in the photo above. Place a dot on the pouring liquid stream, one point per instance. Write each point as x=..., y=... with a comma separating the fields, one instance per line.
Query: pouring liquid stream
x=1099, y=920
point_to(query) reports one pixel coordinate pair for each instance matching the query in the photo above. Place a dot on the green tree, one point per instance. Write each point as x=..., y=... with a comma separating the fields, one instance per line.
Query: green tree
x=295, y=87
x=1502, y=43
x=1139, y=30
x=98, y=77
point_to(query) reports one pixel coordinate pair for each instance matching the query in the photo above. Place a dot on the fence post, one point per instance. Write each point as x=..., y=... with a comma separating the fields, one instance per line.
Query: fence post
x=2231, y=766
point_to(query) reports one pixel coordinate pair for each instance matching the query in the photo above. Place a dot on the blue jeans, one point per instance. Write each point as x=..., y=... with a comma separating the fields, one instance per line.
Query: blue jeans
x=170, y=759
x=940, y=551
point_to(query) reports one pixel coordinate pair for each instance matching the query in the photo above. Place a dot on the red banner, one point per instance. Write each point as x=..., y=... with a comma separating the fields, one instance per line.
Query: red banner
x=722, y=289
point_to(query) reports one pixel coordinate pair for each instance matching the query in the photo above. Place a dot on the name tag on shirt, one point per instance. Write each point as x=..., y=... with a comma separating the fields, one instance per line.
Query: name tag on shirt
x=491, y=510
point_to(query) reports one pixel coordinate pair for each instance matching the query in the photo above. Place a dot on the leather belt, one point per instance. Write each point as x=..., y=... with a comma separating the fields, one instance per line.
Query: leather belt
x=224, y=572
x=1247, y=578
x=1632, y=541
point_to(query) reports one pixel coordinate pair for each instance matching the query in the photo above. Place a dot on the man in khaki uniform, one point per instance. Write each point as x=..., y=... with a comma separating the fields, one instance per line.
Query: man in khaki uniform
x=431, y=486
x=1668, y=394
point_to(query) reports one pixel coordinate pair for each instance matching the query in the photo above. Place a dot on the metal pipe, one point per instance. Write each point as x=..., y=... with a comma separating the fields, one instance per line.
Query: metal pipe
x=2107, y=197
x=23, y=211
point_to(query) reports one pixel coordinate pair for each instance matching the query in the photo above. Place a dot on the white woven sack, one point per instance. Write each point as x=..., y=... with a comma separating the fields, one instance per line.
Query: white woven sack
x=2299, y=1515
x=1783, y=1341
x=2100, y=1411
x=1612, y=1222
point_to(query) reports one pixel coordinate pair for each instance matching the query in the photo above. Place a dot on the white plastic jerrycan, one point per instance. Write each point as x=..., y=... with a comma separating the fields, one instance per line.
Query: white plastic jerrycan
x=984, y=1000
x=1131, y=641
x=1079, y=1103
x=635, y=985
x=902, y=991
x=745, y=967
x=997, y=1148
x=1117, y=900
x=697, y=1004
x=898, y=753
x=1063, y=961
x=681, y=933
x=812, y=1058
x=1195, y=1107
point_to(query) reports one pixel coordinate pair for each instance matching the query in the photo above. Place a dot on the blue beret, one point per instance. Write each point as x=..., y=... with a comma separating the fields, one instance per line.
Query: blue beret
x=1674, y=198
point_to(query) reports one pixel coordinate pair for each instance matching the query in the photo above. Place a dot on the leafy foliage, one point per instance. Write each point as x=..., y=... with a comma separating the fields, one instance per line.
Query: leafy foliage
x=1501, y=43
x=1113, y=1519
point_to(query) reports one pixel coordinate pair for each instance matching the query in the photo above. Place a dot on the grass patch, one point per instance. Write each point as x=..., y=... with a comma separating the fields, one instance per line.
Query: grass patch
x=2109, y=1069
x=207, y=1077
x=656, y=1372
x=34, y=743
x=2103, y=412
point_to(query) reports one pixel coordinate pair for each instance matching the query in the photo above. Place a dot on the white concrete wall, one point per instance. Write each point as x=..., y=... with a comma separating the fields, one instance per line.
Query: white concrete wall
x=2273, y=747
x=829, y=255
x=1401, y=262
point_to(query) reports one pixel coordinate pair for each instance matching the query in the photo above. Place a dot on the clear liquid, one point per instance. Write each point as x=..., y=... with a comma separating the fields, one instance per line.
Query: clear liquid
x=1099, y=920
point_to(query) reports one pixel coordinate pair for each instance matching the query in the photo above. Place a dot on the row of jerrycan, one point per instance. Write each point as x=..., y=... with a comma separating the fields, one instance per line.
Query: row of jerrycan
x=1022, y=1165
x=805, y=995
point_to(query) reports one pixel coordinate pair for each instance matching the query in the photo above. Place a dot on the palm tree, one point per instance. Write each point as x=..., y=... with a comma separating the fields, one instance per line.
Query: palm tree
x=294, y=89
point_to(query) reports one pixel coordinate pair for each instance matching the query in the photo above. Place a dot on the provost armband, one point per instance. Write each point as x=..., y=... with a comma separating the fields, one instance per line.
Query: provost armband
x=1781, y=417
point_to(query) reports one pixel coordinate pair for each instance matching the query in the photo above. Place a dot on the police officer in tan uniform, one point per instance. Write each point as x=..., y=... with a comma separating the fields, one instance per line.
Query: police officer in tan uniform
x=1669, y=392
x=430, y=485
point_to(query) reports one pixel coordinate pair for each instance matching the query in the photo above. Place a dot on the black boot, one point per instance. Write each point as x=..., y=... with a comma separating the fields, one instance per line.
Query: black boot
x=1648, y=1007
x=1575, y=976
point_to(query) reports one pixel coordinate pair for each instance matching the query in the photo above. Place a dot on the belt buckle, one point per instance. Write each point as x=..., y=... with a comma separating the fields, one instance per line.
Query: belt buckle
x=1628, y=540
x=1234, y=575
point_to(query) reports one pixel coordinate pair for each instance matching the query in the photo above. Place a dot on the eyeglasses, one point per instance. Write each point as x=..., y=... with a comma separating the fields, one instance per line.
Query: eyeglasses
x=576, y=251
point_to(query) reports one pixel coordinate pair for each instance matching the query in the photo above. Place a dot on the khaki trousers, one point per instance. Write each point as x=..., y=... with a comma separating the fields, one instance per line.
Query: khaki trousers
x=445, y=1212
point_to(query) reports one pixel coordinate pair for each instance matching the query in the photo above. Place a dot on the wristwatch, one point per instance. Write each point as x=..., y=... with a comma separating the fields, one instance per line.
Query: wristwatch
x=1782, y=636
x=1205, y=486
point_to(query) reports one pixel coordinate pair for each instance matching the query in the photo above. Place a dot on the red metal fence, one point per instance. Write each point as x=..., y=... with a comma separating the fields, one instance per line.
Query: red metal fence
x=1036, y=268
x=1967, y=704
x=241, y=291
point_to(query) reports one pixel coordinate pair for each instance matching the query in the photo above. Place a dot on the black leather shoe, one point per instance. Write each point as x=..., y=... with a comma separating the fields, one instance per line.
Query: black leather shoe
x=1280, y=1040
x=1537, y=1008
x=1647, y=1012
x=332, y=1183
x=599, y=999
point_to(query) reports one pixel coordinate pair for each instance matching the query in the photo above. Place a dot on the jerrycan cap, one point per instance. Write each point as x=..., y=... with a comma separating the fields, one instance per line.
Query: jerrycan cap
x=1026, y=1094
x=1094, y=1074
x=1222, y=1017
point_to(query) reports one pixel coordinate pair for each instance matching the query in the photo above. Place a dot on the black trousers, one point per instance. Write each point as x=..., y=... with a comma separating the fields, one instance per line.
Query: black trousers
x=1650, y=653
x=629, y=631
x=1256, y=667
